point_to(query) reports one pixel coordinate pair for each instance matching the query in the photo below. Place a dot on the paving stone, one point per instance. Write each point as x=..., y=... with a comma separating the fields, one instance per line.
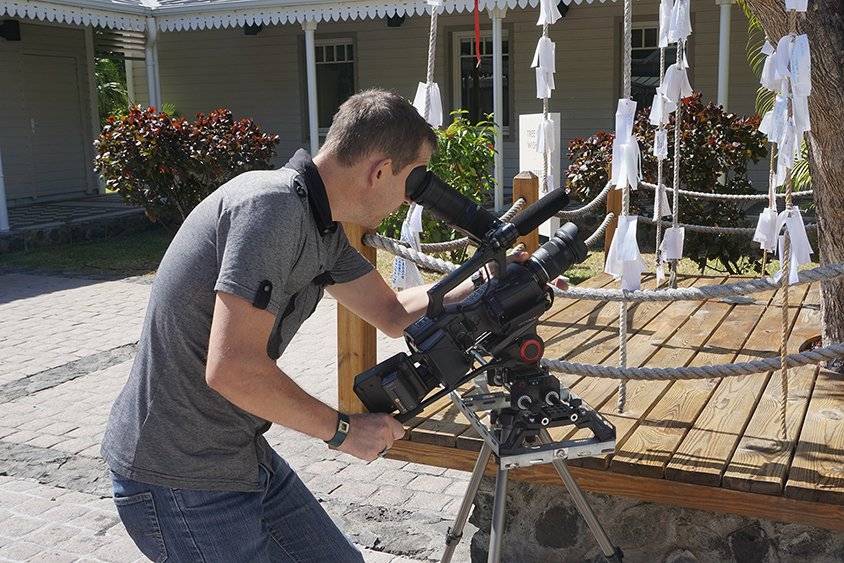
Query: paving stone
x=387, y=495
x=397, y=477
x=45, y=441
x=20, y=526
x=52, y=534
x=326, y=467
x=427, y=501
x=65, y=512
x=21, y=551
x=429, y=483
x=118, y=550
x=354, y=490
x=34, y=506
x=426, y=469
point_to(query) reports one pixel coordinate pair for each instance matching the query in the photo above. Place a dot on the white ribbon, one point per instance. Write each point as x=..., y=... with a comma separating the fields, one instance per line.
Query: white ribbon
x=544, y=62
x=676, y=85
x=782, y=57
x=801, y=250
x=798, y=5
x=435, y=107
x=661, y=206
x=545, y=136
x=802, y=123
x=624, y=260
x=548, y=12
x=660, y=149
x=625, y=149
x=665, y=7
x=769, y=78
x=766, y=123
x=779, y=119
x=800, y=64
x=405, y=272
x=766, y=230
x=672, y=243
x=681, y=22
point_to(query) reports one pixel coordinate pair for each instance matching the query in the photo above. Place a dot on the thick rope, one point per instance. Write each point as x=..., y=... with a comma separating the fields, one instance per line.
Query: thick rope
x=587, y=208
x=545, y=104
x=432, y=55
x=728, y=197
x=659, y=166
x=598, y=235
x=702, y=293
x=713, y=228
x=462, y=243
x=675, y=187
x=816, y=356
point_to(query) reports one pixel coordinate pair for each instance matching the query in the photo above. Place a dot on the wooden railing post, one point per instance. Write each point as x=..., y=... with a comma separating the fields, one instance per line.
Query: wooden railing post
x=613, y=206
x=526, y=186
x=356, y=339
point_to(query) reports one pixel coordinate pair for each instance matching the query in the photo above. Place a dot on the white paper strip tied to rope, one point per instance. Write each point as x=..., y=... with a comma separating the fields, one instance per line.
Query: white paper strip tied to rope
x=766, y=230
x=626, y=162
x=548, y=12
x=660, y=148
x=665, y=8
x=545, y=141
x=435, y=107
x=681, y=22
x=676, y=83
x=661, y=206
x=543, y=62
x=781, y=58
x=405, y=272
x=624, y=260
x=801, y=250
x=672, y=243
x=798, y=5
x=769, y=78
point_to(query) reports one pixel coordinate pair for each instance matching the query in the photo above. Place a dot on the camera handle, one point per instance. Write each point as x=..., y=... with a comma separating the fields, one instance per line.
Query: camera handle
x=486, y=253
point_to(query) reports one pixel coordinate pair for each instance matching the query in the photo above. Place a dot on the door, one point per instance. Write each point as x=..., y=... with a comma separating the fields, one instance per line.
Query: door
x=56, y=120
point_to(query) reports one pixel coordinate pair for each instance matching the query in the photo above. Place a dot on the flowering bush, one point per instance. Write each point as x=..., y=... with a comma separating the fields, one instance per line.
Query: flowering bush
x=167, y=165
x=713, y=143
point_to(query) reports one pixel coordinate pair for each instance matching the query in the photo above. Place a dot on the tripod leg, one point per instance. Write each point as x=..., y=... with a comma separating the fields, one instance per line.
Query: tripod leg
x=455, y=533
x=499, y=503
x=611, y=552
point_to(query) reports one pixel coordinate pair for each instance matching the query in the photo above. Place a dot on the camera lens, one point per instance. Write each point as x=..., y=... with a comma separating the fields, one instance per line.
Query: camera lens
x=560, y=253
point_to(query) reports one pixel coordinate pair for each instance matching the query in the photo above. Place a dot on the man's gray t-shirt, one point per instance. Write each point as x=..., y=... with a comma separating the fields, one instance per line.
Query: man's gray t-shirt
x=167, y=426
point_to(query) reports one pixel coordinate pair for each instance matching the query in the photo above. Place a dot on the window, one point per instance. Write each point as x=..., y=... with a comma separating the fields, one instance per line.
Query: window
x=473, y=84
x=645, y=67
x=335, y=74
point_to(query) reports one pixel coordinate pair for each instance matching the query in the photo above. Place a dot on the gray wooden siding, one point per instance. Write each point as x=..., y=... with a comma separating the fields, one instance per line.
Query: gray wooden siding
x=47, y=81
x=264, y=77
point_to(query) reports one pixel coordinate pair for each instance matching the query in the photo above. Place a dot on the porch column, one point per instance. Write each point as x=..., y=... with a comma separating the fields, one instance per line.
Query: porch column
x=310, y=64
x=94, y=108
x=4, y=212
x=129, y=65
x=724, y=52
x=151, y=55
x=497, y=14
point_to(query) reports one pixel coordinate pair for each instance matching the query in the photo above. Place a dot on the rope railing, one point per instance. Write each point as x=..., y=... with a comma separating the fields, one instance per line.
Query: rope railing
x=702, y=293
x=584, y=209
x=827, y=353
x=713, y=228
x=727, y=197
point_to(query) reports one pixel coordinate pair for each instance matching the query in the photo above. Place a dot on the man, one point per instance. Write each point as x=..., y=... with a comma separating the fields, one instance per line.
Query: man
x=193, y=477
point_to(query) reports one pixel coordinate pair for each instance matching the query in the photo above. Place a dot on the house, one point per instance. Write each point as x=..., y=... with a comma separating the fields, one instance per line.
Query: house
x=288, y=64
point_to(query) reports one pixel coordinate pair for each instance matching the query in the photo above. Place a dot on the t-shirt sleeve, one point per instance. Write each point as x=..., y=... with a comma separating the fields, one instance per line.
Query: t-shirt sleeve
x=258, y=239
x=350, y=264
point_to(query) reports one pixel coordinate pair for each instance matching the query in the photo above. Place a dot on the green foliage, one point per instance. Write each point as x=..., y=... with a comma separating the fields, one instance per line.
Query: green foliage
x=464, y=159
x=112, y=97
x=713, y=143
x=167, y=165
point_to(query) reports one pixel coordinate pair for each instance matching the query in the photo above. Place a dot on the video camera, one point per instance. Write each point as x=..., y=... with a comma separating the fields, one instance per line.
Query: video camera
x=494, y=326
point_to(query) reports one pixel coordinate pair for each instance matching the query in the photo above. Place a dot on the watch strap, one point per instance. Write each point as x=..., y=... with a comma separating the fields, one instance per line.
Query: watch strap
x=341, y=432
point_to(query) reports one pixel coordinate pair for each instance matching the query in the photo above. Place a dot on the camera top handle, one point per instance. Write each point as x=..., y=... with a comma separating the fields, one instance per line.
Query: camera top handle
x=493, y=236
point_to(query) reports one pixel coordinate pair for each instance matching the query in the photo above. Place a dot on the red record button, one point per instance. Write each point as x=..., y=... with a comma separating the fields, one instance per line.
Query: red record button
x=531, y=350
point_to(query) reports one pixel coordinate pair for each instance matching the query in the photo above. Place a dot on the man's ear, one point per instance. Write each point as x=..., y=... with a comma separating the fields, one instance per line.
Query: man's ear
x=380, y=170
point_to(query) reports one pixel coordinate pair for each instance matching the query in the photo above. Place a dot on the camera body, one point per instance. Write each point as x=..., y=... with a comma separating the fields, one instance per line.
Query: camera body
x=497, y=320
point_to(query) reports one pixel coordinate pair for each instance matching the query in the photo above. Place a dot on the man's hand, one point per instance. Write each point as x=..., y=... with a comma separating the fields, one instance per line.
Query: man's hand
x=370, y=435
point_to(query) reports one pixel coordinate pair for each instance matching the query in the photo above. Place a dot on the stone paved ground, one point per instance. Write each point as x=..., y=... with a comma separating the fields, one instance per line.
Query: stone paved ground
x=65, y=351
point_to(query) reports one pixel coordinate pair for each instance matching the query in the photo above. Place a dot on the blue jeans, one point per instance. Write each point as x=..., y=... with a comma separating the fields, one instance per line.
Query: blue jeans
x=282, y=522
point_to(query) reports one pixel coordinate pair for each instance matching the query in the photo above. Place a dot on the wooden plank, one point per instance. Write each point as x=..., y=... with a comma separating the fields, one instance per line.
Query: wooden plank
x=703, y=454
x=761, y=461
x=613, y=206
x=659, y=491
x=647, y=450
x=817, y=470
x=356, y=339
x=526, y=186
x=679, y=334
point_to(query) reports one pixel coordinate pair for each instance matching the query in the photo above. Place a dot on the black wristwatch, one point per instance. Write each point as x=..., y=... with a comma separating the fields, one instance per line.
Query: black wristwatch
x=342, y=431
x=478, y=279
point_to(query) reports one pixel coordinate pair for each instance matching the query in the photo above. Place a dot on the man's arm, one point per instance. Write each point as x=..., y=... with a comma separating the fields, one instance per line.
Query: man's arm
x=370, y=298
x=239, y=369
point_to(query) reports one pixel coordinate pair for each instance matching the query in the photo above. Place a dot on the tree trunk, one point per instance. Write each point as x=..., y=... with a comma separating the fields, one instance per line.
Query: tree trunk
x=824, y=25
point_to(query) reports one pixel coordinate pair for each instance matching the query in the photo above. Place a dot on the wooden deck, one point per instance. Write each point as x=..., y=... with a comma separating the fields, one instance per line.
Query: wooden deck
x=706, y=444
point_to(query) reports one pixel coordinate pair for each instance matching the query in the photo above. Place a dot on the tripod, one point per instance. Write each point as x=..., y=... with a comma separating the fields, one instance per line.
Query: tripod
x=510, y=454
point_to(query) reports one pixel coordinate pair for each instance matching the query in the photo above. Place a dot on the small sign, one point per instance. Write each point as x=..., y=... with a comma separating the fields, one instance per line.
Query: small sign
x=531, y=159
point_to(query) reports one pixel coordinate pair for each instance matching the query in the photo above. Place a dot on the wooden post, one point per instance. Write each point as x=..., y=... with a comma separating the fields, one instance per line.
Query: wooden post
x=356, y=340
x=526, y=186
x=613, y=206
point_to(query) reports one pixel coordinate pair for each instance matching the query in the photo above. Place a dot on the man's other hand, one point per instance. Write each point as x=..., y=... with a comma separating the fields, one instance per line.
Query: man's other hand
x=370, y=435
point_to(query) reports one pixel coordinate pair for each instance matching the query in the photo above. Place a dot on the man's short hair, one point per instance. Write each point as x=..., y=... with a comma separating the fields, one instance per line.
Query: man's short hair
x=378, y=121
